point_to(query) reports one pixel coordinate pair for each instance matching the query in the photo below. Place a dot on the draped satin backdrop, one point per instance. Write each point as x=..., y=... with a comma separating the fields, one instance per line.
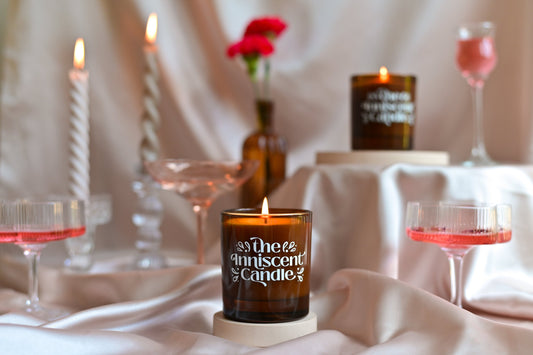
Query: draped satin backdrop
x=206, y=102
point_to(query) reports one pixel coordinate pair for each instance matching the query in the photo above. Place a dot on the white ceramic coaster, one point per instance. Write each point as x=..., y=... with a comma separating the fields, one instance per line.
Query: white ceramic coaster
x=262, y=334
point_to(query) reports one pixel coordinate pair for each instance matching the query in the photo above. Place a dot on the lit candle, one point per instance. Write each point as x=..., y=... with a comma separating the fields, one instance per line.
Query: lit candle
x=150, y=120
x=383, y=111
x=266, y=258
x=79, y=125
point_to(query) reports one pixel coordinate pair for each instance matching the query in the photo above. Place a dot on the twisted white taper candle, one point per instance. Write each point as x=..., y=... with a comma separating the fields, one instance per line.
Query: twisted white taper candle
x=150, y=119
x=79, y=178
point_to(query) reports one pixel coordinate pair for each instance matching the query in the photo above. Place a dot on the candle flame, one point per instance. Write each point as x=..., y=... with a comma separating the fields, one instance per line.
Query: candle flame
x=383, y=74
x=151, y=28
x=79, y=54
x=264, y=208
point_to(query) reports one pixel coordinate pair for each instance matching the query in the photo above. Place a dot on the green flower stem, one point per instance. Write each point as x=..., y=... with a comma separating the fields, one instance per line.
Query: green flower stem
x=267, y=79
x=252, y=62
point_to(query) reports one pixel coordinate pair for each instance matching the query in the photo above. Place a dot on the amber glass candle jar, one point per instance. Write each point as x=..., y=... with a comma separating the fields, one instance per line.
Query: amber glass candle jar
x=266, y=264
x=383, y=111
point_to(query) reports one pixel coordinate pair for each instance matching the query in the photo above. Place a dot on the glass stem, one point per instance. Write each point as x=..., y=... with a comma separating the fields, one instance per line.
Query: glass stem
x=33, y=254
x=456, y=278
x=478, y=145
x=201, y=218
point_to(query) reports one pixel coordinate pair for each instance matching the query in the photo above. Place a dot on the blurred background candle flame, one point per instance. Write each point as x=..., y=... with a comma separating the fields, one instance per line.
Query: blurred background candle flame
x=383, y=74
x=151, y=28
x=79, y=54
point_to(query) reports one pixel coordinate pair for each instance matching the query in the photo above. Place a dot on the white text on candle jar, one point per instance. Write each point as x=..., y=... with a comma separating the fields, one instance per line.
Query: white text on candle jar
x=249, y=263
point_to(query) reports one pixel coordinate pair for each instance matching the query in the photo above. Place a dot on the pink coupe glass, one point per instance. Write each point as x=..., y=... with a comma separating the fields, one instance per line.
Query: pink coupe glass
x=31, y=224
x=457, y=227
x=200, y=182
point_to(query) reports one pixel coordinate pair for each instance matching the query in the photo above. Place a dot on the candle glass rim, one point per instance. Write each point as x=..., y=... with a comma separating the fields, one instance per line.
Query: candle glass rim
x=272, y=212
x=377, y=75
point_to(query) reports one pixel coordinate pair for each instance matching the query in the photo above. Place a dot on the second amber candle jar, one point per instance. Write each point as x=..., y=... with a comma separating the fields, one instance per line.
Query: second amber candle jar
x=383, y=111
x=266, y=264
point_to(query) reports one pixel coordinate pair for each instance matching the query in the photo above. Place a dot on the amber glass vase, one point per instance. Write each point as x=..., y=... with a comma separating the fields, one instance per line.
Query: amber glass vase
x=270, y=149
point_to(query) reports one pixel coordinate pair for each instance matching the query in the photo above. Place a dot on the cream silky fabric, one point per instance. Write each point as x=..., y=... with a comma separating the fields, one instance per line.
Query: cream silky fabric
x=360, y=312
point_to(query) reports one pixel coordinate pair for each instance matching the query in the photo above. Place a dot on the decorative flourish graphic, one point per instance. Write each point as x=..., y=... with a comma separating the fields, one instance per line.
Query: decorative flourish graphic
x=289, y=247
x=300, y=274
x=243, y=247
x=235, y=272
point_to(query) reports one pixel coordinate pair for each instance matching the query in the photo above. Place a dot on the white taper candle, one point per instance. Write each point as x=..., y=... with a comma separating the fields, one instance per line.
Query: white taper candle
x=150, y=119
x=79, y=178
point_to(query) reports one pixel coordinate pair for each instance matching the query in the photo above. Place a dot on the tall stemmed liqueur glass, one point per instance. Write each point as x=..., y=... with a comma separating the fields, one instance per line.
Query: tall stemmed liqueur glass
x=201, y=183
x=476, y=58
x=30, y=224
x=457, y=227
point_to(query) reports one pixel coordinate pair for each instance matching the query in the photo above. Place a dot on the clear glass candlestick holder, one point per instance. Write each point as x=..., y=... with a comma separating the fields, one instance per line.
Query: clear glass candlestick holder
x=147, y=218
x=80, y=250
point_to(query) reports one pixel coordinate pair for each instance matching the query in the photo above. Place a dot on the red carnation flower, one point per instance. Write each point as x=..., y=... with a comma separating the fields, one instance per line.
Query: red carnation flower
x=253, y=45
x=271, y=27
x=254, y=49
x=234, y=49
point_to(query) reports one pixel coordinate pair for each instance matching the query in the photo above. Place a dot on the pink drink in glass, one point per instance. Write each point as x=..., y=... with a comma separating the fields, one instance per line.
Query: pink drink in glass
x=504, y=235
x=37, y=237
x=476, y=58
x=8, y=236
x=458, y=240
x=457, y=227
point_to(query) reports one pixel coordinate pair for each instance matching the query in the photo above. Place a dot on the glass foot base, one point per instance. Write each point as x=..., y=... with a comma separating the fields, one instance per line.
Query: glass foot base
x=47, y=314
x=79, y=263
x=38, y=312
x=479, y=161
x=149, y=261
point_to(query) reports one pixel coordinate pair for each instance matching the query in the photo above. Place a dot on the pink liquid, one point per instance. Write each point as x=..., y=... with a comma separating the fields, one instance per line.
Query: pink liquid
x=504, y=236
x=450, y=240
x=8, y=236
x=37, y=237
x=476, y=57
